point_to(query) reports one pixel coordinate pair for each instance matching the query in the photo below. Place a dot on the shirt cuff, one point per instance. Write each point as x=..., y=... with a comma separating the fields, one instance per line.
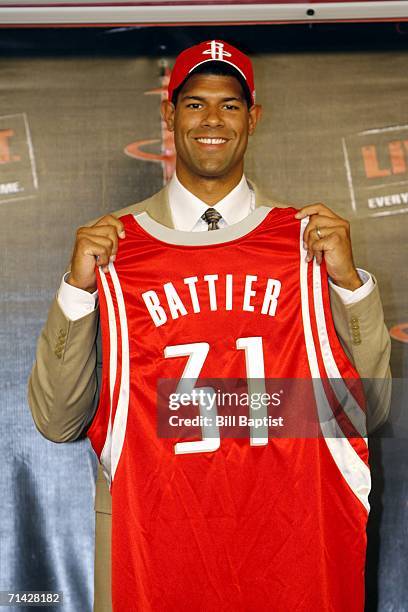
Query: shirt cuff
x=75, y=303
x=351, y=297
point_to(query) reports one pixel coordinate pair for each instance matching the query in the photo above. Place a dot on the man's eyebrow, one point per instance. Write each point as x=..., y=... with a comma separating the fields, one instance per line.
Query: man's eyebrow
x=201, y=99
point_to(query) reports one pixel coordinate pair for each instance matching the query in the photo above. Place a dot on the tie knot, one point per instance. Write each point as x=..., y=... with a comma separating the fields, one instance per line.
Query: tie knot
x=211, y=216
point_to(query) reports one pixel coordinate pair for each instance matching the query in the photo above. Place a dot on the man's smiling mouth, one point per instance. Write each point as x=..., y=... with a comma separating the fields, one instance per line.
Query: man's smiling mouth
x=212, y=141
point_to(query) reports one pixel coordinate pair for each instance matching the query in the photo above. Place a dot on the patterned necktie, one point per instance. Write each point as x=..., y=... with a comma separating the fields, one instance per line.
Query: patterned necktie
x=211, y=216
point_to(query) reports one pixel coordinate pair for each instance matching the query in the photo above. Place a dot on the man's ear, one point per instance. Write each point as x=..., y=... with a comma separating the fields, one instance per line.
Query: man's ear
x=167, y=112
x=255, y=113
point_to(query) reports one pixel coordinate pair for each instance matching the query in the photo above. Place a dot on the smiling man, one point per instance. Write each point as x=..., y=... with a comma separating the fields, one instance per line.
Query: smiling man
x=212, y=111
x=211, y=128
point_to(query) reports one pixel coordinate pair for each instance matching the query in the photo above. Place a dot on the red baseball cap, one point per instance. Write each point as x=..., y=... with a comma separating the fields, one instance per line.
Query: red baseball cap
x=211, y=51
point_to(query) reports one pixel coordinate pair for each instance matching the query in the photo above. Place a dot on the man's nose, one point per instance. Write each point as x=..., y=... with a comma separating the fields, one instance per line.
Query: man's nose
x=213, y=118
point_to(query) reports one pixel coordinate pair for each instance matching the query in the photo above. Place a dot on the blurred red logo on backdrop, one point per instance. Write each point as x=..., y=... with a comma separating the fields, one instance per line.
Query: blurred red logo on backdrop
x=6, y=156
x=167, y=155
x=377, y=170
x=18, y=176
x=400, y=332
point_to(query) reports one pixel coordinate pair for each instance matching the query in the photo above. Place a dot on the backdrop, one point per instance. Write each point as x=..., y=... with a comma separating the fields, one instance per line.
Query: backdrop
x=82, y=136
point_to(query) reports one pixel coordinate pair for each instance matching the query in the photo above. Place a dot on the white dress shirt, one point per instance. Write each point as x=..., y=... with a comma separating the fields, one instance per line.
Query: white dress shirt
x=186, y=210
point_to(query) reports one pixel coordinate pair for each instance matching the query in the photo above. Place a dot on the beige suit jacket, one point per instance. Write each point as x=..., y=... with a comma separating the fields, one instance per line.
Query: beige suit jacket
x=63, y=387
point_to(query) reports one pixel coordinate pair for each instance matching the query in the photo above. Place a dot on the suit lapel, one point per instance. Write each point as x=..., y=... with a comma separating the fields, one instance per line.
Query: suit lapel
x=263, y=200
x=158, y=208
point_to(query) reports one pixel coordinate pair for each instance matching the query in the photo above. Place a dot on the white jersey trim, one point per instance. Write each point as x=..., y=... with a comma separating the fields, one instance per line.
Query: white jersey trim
x=115, y=436
x=221, y=236
x=353, y=469
x=354, y=412
x=120, y=420
x=113, y=352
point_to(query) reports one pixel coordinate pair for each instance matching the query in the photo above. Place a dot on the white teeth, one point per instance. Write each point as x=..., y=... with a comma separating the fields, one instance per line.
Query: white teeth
x=212, y=140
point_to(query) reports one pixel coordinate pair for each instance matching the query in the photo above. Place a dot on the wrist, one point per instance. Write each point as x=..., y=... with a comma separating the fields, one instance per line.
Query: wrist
x=351, y=282
x=71, y=280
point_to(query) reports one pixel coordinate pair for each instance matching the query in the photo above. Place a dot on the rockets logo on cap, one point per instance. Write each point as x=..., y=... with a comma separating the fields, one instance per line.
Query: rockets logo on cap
x=217, y=50
x=211, y=51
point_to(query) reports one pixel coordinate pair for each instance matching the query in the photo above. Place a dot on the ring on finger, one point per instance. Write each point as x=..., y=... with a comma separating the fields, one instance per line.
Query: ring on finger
x=319, y=233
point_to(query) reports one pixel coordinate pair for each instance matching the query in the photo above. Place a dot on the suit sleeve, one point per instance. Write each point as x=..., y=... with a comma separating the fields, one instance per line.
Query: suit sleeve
x=366, y=341
x=63, y=386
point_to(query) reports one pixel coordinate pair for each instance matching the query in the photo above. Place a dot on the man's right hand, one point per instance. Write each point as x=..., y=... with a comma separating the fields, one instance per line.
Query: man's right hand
x=96, y=244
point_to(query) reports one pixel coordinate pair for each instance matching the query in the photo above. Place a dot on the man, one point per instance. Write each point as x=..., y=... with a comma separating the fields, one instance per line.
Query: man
x=212, y=111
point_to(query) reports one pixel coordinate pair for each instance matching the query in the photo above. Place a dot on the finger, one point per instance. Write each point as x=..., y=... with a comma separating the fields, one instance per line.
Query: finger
x=101, y=231
x=100, y=248
x=114, y=222
x=314, y=209
x=324, y=223
x=317, y=248
x=104, y=268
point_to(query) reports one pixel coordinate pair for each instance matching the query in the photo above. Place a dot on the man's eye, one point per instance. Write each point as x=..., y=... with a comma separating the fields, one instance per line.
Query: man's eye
x=194, y=105
x=231, y=107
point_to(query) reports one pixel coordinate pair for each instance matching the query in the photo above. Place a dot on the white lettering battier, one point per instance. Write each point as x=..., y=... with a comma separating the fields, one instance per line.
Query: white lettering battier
x=175, y=307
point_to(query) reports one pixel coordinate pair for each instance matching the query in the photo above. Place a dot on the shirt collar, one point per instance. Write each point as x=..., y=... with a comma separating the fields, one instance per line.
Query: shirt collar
x=186, y=208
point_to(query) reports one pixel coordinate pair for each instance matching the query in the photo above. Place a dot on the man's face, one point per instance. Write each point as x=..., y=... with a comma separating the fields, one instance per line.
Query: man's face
x=211, y=124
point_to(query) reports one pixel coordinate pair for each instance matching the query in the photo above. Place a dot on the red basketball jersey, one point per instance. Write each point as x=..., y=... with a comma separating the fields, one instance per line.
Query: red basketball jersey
x=228, y=523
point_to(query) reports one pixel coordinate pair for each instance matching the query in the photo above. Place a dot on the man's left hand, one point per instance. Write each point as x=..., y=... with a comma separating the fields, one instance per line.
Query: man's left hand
x=329, y=235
